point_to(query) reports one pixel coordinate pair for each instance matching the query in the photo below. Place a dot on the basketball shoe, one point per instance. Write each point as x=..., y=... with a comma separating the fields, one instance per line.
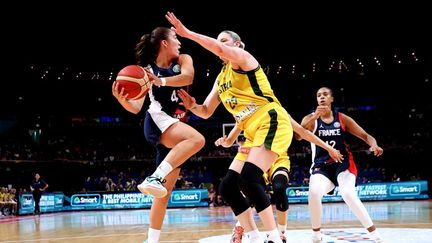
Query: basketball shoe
x=317, y=238
x=283, y=238
x=237, y=234
x=375, y=235
x=152, y=185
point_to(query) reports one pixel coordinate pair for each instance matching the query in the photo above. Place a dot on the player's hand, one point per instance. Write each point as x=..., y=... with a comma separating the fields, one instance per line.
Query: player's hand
x=188, y=101
x=153, y=78
x=377, y=150
x=178, y=26
x=322, y=110
x=118, y=95
x=224, y=142
x=336, y=155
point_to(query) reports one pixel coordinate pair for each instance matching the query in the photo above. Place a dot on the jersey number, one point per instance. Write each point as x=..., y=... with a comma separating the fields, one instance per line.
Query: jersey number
x=331, y=143
x=232, y=102
x=174, y=97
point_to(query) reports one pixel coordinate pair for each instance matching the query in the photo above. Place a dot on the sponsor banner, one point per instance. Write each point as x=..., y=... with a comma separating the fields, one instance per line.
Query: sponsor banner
x=369, y=192
x=53, y=202
x=49, y=202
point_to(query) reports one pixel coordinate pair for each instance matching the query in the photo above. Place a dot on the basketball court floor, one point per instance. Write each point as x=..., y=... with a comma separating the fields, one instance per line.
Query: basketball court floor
x=398, y=222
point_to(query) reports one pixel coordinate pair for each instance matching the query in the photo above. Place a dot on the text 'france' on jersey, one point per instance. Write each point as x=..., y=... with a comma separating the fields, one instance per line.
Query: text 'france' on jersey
x=332, y=133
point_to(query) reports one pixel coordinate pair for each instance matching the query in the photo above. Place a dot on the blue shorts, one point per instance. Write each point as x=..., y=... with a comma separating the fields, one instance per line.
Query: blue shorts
x=331, y=171
x=152, y=134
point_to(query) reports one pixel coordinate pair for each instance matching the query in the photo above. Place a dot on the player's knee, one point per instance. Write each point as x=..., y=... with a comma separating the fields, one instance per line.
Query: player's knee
x=315, y=192
x=347, y=192
x=251, y=175
x=229, y=183
x=198, y=141
x=243, y=187
x=230, y=191
x=280, y=184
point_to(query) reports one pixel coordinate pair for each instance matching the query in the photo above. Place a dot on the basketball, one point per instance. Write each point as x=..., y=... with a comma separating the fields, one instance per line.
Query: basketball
x=134, y=80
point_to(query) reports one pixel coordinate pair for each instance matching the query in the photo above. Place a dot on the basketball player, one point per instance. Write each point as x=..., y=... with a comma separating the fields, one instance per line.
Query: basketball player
x=245, y=91
x=174, y=140
x=331, y=126
x=277, y=175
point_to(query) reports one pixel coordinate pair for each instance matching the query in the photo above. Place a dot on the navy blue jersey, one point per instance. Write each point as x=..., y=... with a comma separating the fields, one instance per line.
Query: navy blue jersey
x=332, y=133
x=37, y=185
x=165, y=98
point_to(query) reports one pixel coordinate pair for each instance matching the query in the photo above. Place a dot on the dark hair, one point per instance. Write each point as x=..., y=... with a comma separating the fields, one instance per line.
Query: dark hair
x=146, y=50
x=325, y=87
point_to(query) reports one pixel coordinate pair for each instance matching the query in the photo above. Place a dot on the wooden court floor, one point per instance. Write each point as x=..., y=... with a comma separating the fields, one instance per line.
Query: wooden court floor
x=193, y=224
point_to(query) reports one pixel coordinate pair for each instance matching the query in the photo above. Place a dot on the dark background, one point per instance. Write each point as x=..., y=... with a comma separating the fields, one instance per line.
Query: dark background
x=60, y=59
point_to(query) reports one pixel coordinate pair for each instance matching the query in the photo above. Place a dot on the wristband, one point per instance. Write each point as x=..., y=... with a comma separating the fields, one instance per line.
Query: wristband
x=163, y=80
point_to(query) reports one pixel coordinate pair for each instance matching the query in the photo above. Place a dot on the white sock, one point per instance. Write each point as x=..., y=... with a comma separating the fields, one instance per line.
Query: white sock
x=163, y=169
x=238, y=223
x=282, y=228
x=274, y=236
x=153, y=235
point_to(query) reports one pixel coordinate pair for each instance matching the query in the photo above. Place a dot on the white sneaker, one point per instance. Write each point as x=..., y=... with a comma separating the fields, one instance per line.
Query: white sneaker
x=375, y=235
x=378, y=240
x=317, y=238
x=153, y=186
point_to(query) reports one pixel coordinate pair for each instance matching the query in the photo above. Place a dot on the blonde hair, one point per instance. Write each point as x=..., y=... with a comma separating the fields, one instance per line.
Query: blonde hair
x=235, y=37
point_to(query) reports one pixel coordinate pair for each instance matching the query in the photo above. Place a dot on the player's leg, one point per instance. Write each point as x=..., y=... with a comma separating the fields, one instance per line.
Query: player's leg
x=319, y=185
x=159, y=206
x=278, y=177
x=271, y=134
x=280, y=183
x=346, y=181
x=184, y=142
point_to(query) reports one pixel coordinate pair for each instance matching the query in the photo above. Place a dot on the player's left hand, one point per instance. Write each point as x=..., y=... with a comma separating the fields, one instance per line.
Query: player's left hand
x=377, y=150
x=178, y=26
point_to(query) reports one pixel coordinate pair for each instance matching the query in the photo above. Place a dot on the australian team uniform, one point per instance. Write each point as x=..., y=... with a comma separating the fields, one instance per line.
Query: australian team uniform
x=333, y=134
x=164, y=109
x=282, y=163
x=249, y=98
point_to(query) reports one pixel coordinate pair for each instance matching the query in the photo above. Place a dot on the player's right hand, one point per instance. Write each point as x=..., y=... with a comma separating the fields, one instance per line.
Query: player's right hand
x=188, y=101
x=336, y=155
x=118, y=95
x=322, y=110
x=224, y=142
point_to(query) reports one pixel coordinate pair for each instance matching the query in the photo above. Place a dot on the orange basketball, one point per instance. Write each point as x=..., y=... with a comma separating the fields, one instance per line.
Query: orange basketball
x=134, y=80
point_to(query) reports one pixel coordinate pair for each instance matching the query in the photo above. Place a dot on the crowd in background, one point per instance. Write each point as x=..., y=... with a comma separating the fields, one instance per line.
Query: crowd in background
x=91, y=144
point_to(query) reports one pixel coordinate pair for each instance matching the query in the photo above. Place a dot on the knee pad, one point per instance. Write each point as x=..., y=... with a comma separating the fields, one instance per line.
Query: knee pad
x=251, y=176
x=280, y=184
x=244, y=189
x=230, y=191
